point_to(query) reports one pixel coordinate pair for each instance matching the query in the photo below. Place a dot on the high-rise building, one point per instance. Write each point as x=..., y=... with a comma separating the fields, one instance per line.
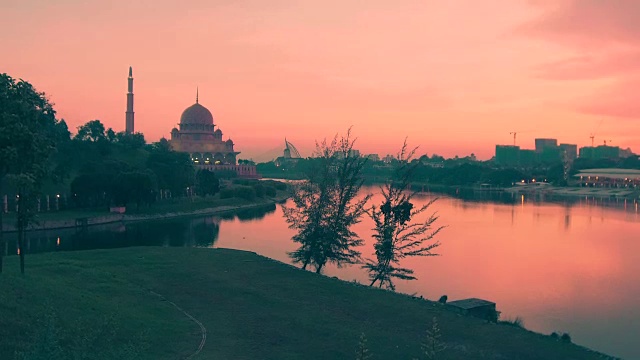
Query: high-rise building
x=600, y=152
x=507, y=154
x=542, y=144
x=129, y=129
x=569, y=150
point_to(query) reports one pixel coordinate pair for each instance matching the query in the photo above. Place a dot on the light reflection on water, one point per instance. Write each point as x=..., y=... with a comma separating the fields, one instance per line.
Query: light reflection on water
x=562, y=266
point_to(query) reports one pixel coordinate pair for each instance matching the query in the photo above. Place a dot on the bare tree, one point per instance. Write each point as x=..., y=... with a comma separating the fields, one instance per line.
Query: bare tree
x=326, y=205
x=396, y=236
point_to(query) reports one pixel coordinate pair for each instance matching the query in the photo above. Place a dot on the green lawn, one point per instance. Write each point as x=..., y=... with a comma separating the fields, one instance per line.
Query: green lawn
x=97, y=302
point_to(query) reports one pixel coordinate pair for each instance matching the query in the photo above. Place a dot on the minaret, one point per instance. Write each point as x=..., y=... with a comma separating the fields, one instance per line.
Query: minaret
x=129, y=113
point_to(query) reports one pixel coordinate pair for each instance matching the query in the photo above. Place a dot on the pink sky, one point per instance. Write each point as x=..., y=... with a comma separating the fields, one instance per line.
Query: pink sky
x=454, y=76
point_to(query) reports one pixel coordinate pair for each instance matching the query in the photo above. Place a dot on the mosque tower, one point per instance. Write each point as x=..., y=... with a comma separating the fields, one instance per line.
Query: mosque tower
x=129, y=113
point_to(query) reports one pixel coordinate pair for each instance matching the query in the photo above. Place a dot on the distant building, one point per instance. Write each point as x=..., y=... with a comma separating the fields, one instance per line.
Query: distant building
x=542, y=144
x=197, y=135
x=569, y=150
x=619, y=178
x=508, y=155
x=388, y=159
x=600, y=152
x=528, y=157
x=290, y=155
x=373, y=157
x=547, y=151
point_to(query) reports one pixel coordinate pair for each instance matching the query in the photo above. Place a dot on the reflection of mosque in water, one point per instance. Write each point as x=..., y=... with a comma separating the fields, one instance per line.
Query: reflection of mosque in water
x=178, y=232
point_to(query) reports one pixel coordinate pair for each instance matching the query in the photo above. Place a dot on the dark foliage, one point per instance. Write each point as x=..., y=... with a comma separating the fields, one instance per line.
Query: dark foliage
x=396, y=235
x=325, y=207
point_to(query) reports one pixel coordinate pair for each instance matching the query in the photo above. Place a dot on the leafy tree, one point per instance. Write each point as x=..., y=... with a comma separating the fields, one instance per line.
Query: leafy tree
x=132, y=141
x=91, y=131
x=173, y=170
x=396, y=236
x=111, y=135
x=325, y=207
x=135, y=186
x=208, y=183
x=28, y=134
x=91, y=189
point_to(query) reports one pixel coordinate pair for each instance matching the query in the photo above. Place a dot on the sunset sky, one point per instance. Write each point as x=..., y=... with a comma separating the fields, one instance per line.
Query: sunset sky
x=456, y=76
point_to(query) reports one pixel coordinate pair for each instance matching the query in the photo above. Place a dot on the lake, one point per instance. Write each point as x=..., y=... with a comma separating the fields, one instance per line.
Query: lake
x=562, y=265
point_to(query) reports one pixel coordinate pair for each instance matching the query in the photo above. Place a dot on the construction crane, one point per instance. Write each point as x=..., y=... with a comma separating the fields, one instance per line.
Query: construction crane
x=593, y=134
x=514, y=133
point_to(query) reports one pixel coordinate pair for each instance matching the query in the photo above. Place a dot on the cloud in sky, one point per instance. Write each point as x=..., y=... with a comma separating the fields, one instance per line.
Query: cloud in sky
x=605, y=39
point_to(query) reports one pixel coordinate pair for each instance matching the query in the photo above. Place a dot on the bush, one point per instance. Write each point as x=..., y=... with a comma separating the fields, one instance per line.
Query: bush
x=227, y=193
x=270, y=191
x=245, y=182
x=517, y=322
x=245, y=192
x=260, y=191
x=279, y=185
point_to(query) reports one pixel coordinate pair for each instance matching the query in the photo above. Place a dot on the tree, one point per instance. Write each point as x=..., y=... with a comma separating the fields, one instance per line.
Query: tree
x=174, y=171
x=325, y=207
x=131, y=141
x=135, y=186
x=208, y=183
x=396, y=236
x=432, y=344
x=91, y=131
x=28, y=135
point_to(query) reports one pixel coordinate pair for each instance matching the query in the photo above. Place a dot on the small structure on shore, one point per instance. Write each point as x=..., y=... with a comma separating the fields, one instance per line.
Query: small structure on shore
x=475, y=307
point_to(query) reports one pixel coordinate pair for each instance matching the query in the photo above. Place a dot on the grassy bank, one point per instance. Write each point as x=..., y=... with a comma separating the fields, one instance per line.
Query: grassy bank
x=99, y=302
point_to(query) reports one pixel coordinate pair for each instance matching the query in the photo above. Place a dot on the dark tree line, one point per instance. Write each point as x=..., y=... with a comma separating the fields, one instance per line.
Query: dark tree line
x=98, y=166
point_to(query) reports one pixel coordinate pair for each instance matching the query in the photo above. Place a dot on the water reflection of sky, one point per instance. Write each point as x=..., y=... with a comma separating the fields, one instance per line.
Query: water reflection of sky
x=568, y=266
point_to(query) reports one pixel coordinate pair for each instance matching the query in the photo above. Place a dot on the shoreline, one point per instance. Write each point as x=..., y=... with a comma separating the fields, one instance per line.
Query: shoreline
x=568, y=191
x=124, y=218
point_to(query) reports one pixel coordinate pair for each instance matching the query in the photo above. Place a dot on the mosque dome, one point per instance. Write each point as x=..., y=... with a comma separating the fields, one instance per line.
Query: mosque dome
x=196, y=114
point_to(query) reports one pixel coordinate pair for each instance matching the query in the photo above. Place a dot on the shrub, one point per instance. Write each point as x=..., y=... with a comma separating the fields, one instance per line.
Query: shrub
x=279, y=185
x=245, y=192
x=227, y=193
x=260, y=191
x=565, y=338
x=517, y=322
x=270, y=191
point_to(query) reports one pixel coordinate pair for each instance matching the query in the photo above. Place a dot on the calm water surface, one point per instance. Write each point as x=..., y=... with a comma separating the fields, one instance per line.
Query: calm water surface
x=562, y=266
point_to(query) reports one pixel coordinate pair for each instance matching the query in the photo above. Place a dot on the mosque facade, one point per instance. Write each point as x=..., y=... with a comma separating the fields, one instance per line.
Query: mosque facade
x=200, y=137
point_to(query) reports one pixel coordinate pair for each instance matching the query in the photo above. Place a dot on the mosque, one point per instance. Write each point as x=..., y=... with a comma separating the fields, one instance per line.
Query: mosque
x=198, y=136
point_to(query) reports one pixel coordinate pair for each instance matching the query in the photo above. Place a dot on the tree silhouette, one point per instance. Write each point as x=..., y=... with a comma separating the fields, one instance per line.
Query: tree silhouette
x=29, y=132
x=325, y=207
x=396, y=236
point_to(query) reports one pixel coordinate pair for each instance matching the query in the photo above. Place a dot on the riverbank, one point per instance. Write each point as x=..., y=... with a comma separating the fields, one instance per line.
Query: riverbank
x=163, y=210
x=252, y=307
x=621, y=193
